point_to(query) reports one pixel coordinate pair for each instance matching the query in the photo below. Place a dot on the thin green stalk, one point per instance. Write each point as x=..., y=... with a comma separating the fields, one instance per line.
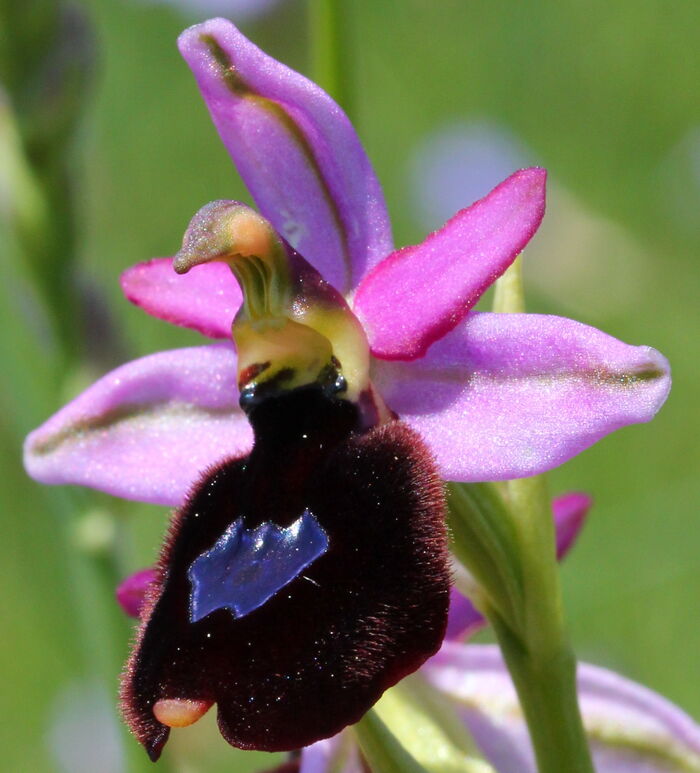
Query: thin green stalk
x=328, y=32
x=538, y=653
x=509, y=297
x=381, y=748
x=486, y=542
x=542, y=663
x=38, y=215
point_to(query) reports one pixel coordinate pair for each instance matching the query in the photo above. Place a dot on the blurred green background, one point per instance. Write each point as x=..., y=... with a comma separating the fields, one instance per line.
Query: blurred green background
x=605, y=95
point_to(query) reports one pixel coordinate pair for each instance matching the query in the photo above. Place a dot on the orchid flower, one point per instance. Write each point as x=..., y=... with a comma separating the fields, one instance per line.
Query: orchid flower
x=306, y=570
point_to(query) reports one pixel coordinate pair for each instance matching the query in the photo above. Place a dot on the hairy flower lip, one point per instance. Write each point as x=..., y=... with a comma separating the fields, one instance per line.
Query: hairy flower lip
x=369, y=608
x=569, y=510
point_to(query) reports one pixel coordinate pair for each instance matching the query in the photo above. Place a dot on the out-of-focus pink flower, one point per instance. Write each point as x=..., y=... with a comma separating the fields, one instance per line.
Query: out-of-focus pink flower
x=630, y=728
x=240, y=10
x=458, y=162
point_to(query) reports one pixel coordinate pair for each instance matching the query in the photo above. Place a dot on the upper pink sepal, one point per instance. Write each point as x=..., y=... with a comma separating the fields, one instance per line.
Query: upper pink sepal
x=206, y=299
x=511, y=395
x=149, y=429
x=630, y=728
x=418, y=294
x=131, y=591
x=295, y=149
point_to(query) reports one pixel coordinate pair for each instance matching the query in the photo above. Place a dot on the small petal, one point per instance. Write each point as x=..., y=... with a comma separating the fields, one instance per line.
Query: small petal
x=131, y=591
x=296, y=151
x=510, y=395
x=570, y=511
x=464, y=618
x=631, y=729
x=206, y=300
x=418, y=294
x=147, y=430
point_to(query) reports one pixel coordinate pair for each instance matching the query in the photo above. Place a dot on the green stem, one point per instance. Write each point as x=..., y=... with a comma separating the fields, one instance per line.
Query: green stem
x=39, y=211
x=540, y=660
x=328, y=31
x=485, y=541
x=546, y=699
x=382, y=750
x=509, y=297
x=537, y=650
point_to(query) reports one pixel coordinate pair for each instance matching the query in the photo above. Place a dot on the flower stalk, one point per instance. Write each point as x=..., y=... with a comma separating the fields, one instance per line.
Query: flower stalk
x=413, y=727
x=540, y=660
x=328, y=24
x=522, y=596
x=381, y=747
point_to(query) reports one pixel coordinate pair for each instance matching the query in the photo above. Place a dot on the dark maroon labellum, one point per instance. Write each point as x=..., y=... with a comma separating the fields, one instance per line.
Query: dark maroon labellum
x=298, y=583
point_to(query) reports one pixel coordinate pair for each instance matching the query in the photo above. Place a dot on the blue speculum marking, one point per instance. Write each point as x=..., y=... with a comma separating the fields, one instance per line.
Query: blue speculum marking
x=246, y=567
